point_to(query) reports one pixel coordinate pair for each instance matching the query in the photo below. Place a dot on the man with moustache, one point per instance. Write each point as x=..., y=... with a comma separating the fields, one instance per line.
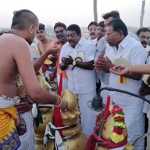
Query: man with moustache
x=77, y=59
x=144, y=36
x=92, y=28
x=124, y=49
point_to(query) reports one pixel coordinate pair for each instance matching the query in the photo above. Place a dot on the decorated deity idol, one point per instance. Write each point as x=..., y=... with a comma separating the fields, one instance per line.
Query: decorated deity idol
x=110, y=131
x=65, y=133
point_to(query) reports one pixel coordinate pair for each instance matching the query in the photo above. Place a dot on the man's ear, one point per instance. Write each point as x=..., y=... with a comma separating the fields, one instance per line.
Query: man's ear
x=31, y=29
x=121, y=33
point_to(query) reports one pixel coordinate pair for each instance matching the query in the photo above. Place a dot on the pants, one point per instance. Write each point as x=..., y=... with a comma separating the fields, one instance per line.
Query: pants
x=28, y=139
x=148, y=138
x=88, y=116
x=135, y=125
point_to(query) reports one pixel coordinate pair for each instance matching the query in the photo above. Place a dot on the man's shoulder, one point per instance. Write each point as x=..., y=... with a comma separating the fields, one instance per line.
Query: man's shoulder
x=13, y=38
x=15, y=42
x=66, y=46
x=132, y=43
x=101, y=42
x=65, y=50
x=86, y=41
x=87, y=44
x=136, y=48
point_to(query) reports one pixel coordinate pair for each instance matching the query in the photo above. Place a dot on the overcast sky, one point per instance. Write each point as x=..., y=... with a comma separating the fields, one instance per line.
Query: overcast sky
x=74, y=11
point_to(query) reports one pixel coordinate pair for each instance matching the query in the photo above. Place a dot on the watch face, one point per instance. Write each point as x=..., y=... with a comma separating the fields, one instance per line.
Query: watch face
x=145, y=79
x=79, y=59
x=78, y=54
x=117, y=69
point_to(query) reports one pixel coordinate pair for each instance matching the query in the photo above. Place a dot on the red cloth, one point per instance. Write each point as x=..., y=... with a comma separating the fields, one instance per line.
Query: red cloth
x=58, y=122
x=57, y=118
x=44, y=68
x=106, y=111
x=60, y=85
x=94, y=138
x=91, y=143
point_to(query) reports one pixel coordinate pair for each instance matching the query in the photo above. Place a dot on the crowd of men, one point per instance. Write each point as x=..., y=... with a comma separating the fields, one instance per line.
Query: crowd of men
x=26, y=50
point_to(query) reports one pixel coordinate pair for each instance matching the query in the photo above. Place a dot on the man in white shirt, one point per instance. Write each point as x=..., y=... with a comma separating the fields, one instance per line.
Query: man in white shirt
x=77, y=57
x=123, y=49
x=92, y=28
x=144, y=37
x=100, y=50
x=101, y=42
x=101, y=46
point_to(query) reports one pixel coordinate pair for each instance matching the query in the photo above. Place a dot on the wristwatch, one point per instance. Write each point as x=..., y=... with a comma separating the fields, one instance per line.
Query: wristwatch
x=78, y=59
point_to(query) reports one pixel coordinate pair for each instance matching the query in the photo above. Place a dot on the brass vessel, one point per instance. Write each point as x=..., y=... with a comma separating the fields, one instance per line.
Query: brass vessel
x=40, y=130
x=47, y=113
x=73, y=138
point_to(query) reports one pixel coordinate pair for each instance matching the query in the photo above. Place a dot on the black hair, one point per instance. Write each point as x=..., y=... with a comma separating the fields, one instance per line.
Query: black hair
x=22, y=19
x=41, y=26
x=143, y=29
x=119, y=26
x=101, y=24
x=60, y=24
x=114, y=14
x=4, y=31
x=74, y=27
x=92, y=23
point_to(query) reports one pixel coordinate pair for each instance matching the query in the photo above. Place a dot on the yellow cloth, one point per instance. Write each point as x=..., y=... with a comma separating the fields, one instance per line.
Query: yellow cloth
x=48, y=62
x=116, y=138
x=8, y=118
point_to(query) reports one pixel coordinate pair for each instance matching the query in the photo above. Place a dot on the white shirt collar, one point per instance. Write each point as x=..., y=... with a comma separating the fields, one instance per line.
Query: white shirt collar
x=125, y=42
x=81, y=41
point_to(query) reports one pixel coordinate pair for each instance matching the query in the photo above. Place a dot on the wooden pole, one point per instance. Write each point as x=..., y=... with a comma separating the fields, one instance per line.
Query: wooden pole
x=142, y=13
x=95, y=10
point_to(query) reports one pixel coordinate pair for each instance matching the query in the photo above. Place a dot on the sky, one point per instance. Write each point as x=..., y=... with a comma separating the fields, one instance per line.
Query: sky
x=74, y=11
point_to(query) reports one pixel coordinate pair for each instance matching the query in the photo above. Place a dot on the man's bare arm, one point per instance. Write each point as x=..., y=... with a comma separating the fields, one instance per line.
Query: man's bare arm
x=139, y=69
x=85, y=65
x=23, y=61
x=134, y=76
x=39, y=62
x=121, y=70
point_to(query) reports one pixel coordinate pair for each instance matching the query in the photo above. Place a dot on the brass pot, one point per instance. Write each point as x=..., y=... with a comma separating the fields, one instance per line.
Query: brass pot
x=47, y=114
x=73, y=139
